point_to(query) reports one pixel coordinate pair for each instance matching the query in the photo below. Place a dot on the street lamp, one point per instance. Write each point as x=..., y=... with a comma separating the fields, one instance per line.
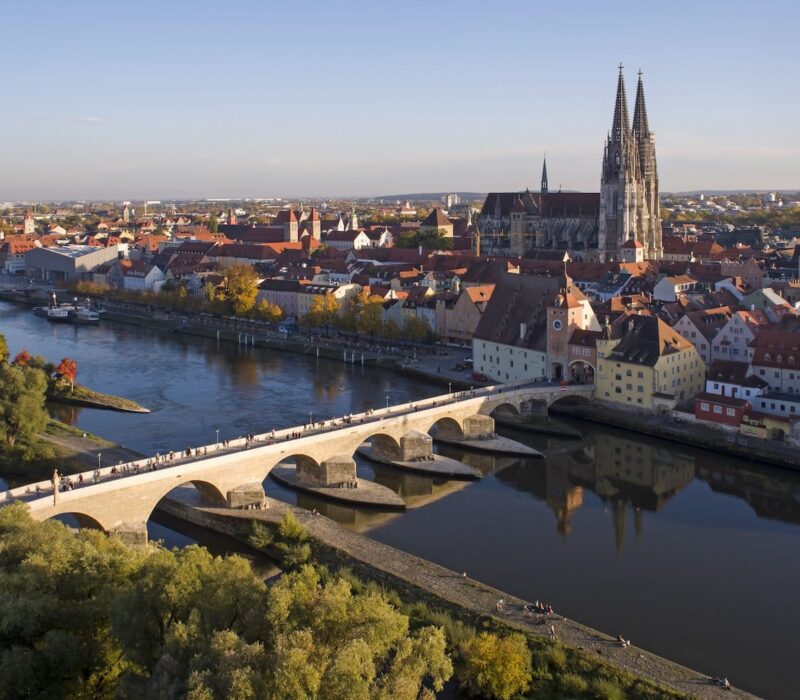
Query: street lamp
x=310, y=419
x=99, y=457
x=217, y=436
x=449, y=387
x=387, y=400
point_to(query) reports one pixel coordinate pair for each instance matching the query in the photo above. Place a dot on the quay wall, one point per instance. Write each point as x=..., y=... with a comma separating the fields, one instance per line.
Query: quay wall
x=780, y=454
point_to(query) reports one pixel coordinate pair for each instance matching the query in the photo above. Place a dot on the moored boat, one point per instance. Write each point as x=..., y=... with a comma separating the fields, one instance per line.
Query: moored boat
x=84, y=316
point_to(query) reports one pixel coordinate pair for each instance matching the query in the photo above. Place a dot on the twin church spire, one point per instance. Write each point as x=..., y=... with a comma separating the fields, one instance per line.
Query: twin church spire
x=629, y=206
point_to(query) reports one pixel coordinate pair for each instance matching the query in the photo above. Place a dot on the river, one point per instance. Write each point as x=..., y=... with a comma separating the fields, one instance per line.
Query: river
x=691, y=554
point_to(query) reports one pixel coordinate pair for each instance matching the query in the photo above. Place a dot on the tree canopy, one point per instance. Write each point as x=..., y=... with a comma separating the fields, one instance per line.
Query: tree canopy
x=242, y=289
x=22, y=396
x=86, y=617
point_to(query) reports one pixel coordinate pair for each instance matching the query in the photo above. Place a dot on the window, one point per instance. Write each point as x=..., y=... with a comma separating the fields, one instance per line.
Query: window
x=628, y=373
x=717, y=409
x=640, y=375
x=618, y=390
x=629, y=387
x=640, y=389
x=703, y=406
x=731, y=412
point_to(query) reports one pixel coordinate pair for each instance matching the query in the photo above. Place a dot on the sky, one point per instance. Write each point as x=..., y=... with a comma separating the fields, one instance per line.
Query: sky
x=238, y=98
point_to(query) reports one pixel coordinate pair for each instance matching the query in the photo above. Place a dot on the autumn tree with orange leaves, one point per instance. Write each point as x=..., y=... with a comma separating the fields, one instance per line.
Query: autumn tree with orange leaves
x=67, y=370
x=21, y=359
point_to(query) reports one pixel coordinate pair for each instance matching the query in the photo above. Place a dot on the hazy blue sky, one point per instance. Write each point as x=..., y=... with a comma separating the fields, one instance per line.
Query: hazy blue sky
x=211, y=99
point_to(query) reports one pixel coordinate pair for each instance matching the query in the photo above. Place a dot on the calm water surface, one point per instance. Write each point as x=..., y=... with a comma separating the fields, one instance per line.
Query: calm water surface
x=692, y=554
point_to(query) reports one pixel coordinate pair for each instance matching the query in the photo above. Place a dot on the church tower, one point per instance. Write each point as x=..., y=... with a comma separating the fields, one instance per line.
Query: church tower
x=650, y=219
x=543, y=188
x=620, y=195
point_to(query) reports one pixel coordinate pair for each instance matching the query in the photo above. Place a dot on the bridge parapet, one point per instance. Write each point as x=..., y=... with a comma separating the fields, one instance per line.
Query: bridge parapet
x=115, y=497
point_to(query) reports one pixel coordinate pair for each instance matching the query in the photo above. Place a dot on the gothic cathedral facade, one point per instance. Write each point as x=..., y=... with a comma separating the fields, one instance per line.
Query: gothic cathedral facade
x=589, y=226
x=629, y=206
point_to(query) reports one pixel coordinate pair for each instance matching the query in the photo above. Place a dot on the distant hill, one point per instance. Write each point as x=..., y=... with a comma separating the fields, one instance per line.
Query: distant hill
x=716, y=193
x=425, y=196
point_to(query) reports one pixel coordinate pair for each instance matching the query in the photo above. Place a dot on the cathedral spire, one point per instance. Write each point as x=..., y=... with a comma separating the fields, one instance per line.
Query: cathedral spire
x=621, y=125
x=544, y=174
x=641, y=129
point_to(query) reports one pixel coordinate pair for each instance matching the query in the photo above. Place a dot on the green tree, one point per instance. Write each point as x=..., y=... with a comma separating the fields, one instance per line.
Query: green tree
x=4, y=353
x=213, y=224
x=22, y=395
x=417, y=329
x=497, y=667
x=84, y=616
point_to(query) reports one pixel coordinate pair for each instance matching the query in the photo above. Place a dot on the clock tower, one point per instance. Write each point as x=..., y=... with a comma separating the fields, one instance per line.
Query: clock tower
x=569, y=311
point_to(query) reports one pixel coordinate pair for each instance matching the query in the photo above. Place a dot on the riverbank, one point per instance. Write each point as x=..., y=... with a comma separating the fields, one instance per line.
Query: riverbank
x=687, y=433
x=420, y=579
x=67, y=449
x=83, y=396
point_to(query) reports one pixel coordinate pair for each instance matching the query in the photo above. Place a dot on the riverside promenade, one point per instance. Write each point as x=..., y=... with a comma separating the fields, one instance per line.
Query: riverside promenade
x=407, y=572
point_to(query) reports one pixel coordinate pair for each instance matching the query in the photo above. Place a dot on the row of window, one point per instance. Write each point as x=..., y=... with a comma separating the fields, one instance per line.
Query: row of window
x=717, y=409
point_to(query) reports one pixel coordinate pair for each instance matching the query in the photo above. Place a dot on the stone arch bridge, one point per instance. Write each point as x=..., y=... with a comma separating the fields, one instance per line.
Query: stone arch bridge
x=122, y=502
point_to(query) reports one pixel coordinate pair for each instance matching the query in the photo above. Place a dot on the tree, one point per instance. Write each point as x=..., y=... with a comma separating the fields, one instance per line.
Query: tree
x=67, y=370
x=213, y=224
x=370, y=320
x=497, y=667
x=21, y=359
x=22, y=394
x=267, y=311
x=242, y=289
x=84, y=616
x=417, y=329
x=324, y=311
x=4, y=353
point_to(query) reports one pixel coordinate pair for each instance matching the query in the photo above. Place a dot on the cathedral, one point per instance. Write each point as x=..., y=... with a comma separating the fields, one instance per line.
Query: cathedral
x=590, y=226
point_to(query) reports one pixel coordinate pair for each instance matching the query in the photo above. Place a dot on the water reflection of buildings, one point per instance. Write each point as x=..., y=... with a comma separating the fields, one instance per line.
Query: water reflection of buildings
x=625, y=474
x=771, y=493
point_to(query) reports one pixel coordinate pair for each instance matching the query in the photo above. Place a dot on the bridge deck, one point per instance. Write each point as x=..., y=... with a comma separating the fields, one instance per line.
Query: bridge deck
x=123, y=473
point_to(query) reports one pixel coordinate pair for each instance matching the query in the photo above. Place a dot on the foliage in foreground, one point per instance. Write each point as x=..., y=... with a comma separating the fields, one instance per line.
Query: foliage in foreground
x=84, y=616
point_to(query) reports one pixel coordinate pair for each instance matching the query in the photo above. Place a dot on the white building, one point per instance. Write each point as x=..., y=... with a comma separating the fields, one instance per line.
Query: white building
x=142, y=277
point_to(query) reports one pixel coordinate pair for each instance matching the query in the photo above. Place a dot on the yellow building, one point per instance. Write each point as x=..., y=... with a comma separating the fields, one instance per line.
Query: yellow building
x=647, y=365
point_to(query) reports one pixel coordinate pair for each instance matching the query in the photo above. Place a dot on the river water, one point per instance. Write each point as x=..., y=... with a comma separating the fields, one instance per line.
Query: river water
x=691, y=554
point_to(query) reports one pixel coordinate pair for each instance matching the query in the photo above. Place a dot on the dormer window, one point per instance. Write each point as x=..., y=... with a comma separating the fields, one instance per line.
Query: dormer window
x=766, y=357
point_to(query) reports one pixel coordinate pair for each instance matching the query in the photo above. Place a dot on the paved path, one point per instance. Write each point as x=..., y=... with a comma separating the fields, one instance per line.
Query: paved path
x=480, y=599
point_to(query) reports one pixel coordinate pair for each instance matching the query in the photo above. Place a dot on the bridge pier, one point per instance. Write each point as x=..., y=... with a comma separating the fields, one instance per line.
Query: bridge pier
x=478, y=427
x=533, y=409
x=247, y=495
x=416, y=445
x=331, y=472
x=132, y=534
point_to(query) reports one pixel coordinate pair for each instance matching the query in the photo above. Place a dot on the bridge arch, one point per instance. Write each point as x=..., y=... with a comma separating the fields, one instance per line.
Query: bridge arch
x=508, y=409
x=208, y=491
x=82, y=520
x=446, y=428
x=384, y=444
x=571, y=398
x=581, y=371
